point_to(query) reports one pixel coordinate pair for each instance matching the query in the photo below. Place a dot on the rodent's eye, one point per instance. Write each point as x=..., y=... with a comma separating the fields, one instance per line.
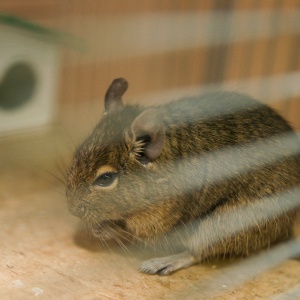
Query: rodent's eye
x=105, y=179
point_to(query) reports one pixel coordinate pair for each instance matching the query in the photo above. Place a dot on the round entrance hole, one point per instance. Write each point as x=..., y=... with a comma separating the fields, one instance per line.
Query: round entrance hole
x=17, y=86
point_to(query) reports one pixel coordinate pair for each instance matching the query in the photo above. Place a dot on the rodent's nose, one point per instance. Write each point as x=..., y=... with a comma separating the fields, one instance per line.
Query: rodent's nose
x=76, y=207
x=78, y=210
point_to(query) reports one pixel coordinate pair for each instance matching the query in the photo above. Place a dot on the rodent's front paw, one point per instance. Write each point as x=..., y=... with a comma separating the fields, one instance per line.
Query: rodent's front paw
x=167, y=265
x=160, y=266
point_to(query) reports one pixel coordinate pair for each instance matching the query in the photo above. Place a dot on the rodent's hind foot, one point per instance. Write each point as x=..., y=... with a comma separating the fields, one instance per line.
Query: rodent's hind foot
x=168, y=264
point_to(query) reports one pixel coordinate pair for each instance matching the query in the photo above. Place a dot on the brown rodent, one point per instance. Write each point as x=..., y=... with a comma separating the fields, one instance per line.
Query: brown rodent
x=221, y=170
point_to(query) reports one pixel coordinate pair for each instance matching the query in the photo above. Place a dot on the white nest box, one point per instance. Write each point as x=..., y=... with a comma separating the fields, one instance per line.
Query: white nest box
x=29, y=60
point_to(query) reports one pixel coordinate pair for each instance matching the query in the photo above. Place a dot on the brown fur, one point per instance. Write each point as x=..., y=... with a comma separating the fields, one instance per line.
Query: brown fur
x=167, y=172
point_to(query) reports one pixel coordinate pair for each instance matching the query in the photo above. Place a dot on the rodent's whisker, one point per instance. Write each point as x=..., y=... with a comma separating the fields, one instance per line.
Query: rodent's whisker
x=62, y=170
x=56, y=179
x=114, y=235
x=134, y=237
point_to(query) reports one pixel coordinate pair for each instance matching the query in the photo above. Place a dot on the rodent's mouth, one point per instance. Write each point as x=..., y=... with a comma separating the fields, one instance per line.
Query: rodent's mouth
x=109, y=229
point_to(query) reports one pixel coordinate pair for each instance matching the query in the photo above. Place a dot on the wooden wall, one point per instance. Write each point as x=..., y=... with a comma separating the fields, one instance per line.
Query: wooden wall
x=168, y=48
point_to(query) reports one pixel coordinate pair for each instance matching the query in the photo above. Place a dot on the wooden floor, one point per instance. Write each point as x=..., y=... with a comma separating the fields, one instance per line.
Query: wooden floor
x=41, y=258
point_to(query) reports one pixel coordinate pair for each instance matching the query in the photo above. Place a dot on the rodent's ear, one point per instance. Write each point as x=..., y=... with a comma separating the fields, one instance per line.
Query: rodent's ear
x=148, y=132
x=113, y=96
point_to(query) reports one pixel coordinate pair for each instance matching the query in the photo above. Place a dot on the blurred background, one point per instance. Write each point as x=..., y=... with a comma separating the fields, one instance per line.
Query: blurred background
x=165, y=49
x=57, y=59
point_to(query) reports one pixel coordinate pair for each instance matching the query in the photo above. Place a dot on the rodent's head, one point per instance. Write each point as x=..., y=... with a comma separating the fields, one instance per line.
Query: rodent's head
x=114, y=178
